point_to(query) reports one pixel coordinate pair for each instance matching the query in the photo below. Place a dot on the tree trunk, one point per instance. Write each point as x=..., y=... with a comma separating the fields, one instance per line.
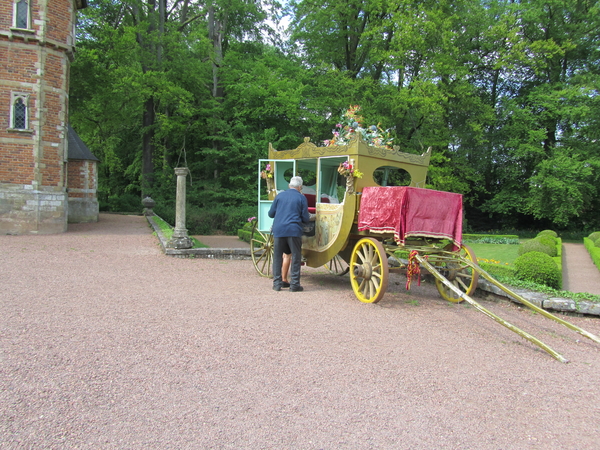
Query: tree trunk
x=215, y=34
x=148, y=146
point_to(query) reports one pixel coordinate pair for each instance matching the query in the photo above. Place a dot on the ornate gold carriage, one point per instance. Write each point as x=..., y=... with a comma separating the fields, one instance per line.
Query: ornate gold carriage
x=374, y=216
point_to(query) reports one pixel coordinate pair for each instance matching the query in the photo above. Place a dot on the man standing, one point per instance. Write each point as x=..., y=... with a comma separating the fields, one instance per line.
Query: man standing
x=290, y=210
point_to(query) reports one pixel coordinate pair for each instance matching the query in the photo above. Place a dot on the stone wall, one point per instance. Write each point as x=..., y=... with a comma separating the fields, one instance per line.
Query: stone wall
x=25, y=210
x=35, y=62
x=83, y=186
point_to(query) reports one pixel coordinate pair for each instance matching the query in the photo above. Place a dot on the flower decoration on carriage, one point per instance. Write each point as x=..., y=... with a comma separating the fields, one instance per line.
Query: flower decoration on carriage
x=348, y=169
x=267, y=172
x=351, y=124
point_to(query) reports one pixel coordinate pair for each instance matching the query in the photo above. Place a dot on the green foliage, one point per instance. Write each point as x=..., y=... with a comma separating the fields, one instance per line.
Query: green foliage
x=539, y=268
x=514, y=130
x=220, y=219
x=122, y=203
x=167, y=231
x=536, y=245
x=559, y=189
x=547, y=240
x=593, y=250
x=244, y=234
x=551, y=233
x=494, y=262
x=498, y=271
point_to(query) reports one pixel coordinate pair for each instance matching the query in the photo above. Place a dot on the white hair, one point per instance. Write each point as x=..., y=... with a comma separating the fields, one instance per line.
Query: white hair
x=296, y=182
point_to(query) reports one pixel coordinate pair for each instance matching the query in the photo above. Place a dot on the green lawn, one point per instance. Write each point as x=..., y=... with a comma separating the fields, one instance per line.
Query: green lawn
x=495, y=253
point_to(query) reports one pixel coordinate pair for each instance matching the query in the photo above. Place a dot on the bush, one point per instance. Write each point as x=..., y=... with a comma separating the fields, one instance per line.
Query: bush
x=593, y=250
x=126, y=202
x=550, y=242
x=538, y=267
x=490, y=239
x=535, y=245
x=550, y=233
x=220, y=219
x=547, y=239
x=594, y=236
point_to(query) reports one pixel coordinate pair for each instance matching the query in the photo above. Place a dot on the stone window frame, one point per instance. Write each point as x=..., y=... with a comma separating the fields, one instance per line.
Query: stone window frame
x=15, y=97
x=16, y=24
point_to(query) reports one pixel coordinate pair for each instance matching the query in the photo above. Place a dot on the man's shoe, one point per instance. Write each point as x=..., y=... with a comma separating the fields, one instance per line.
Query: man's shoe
x=296, y=289
x=276, y=288
x=285, y=284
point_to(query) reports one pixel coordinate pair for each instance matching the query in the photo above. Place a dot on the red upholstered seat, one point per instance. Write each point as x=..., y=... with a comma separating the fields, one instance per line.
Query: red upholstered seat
x=310, y=198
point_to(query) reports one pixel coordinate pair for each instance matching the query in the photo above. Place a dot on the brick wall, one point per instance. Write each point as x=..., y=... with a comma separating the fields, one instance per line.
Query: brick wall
x=35, y=62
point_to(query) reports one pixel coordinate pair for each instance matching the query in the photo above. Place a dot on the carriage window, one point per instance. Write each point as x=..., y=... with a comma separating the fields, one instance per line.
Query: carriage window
x=332, y=184
x=309, y=176
x=391, y=176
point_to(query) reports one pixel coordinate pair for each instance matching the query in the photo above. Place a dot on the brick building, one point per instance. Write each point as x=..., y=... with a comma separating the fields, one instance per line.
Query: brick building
x=37, y=44
x=82, y=181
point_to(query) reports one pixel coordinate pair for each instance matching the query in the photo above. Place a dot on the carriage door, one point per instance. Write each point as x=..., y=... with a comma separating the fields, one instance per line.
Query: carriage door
x=271, y=180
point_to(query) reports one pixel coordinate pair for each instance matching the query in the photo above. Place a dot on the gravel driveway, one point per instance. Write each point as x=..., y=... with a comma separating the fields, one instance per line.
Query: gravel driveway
x=105, y=343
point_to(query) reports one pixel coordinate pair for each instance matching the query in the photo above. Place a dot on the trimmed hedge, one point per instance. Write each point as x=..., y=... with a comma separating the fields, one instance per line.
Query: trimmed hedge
x=593, y=250
x=491, y=238
x=594, y=236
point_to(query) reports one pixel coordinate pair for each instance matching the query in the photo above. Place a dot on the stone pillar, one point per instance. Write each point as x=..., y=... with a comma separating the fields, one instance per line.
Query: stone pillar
x=180, y=237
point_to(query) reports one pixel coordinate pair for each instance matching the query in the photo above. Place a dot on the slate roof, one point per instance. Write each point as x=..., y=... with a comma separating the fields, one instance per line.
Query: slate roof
x=76, y=148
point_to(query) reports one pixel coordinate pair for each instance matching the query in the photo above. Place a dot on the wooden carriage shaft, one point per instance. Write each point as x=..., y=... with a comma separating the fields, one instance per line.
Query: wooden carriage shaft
x=530, y=305
x=422, y=260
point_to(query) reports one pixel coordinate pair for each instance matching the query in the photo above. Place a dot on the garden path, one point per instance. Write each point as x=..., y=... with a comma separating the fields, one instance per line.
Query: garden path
x=579, y=272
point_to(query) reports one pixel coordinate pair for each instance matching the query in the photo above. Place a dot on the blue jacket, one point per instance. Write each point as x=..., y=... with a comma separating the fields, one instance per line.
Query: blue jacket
x=289, y=209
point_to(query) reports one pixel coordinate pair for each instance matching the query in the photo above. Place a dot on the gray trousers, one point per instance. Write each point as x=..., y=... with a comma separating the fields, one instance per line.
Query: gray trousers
x=283, y=245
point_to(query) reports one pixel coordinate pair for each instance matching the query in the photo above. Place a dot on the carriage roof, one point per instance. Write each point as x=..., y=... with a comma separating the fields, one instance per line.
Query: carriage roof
x=357, y=149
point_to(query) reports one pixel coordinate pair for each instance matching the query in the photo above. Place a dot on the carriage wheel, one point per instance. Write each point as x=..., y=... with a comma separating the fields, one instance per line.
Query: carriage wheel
x=337, y=266
x=261, y=248
x=459, y=274
x=369, y=270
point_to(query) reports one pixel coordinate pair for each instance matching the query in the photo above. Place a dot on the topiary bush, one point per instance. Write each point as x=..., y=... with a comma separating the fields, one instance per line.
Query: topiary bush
x=594, y=236
x=550, y=242
x=538, y=267
x=535, y=245
x=548, y=233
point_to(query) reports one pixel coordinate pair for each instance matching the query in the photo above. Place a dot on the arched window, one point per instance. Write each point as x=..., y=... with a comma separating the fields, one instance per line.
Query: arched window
x=21, y=14
x=19, y=114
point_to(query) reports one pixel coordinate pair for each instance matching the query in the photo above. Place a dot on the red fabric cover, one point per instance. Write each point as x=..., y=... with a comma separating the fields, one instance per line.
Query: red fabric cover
x=411, y=212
